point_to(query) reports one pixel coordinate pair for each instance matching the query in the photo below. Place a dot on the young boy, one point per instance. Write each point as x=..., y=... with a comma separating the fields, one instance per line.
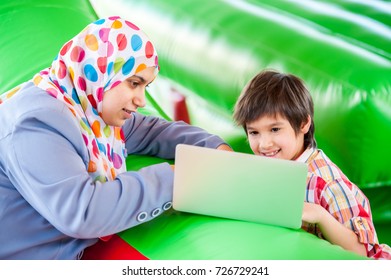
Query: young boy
x=276, y=111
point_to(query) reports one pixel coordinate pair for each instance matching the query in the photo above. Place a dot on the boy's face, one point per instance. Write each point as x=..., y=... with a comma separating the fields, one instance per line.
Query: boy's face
x=275, y=137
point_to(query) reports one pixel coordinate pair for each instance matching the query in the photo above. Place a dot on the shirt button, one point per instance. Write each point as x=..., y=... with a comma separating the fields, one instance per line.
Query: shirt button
x=142, y=216
x=156, y=212
x=167, y=206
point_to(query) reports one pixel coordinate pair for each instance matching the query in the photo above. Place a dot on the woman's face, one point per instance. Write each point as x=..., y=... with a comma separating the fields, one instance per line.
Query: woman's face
x=121, y=101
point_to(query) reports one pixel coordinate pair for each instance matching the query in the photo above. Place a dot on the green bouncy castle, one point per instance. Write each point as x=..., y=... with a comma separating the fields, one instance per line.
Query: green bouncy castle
x=208, y=50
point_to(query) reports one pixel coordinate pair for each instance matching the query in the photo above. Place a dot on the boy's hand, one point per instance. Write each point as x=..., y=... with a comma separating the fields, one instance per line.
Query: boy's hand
x=313, y=213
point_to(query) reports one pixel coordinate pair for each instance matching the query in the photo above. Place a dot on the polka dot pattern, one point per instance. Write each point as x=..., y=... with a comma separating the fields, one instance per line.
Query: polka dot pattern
x=101, y=56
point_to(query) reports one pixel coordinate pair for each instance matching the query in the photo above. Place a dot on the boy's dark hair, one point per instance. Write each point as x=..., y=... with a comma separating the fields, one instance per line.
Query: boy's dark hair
x=271, y=93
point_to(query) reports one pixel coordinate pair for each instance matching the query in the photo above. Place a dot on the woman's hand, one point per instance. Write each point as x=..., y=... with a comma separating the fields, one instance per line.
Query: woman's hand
x=224, y=147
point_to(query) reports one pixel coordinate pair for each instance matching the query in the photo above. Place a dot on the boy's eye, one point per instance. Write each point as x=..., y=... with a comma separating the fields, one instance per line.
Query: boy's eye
x=275, y=129
x=252, y=132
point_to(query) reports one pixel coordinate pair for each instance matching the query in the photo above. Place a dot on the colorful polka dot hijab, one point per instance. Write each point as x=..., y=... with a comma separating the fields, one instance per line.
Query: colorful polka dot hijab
x=100, y=57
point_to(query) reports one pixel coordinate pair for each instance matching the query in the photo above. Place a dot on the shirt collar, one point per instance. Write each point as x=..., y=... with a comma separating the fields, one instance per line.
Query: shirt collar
x=304, y=157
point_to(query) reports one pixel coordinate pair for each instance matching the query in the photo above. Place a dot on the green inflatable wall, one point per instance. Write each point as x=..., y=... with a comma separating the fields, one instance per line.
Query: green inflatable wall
x=208, y=50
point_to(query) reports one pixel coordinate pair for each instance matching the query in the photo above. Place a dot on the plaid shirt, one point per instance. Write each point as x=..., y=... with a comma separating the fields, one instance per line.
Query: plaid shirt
x=330, y=188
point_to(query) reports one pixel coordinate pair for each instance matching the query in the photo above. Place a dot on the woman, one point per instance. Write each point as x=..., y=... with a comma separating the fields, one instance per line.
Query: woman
x=64, y=138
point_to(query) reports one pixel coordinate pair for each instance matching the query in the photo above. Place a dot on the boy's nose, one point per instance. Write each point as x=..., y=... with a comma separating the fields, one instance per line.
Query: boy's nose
x=265, y=143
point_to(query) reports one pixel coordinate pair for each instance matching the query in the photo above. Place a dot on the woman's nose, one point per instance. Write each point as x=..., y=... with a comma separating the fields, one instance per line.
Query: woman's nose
x=139, y=99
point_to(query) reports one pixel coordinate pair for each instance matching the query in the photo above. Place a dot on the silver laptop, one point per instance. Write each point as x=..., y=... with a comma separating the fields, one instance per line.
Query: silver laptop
x=239, y=186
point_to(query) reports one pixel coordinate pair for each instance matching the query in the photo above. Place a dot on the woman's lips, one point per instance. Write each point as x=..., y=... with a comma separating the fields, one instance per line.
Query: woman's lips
x=128, y=113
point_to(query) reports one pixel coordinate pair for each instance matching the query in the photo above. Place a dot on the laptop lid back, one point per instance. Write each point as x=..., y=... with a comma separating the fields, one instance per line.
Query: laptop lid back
x=239, y=186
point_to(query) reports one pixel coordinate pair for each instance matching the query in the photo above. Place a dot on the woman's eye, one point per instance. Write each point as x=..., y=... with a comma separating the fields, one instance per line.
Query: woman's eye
x=133, y=84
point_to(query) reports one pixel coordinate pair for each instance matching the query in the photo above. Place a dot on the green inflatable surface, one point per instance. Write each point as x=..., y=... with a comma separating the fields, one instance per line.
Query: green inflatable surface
x=183, y=236
x=32, y=33
x=208, y=51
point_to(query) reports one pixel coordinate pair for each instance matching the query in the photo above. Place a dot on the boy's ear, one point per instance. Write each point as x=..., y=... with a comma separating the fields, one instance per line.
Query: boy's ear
x=305, y=126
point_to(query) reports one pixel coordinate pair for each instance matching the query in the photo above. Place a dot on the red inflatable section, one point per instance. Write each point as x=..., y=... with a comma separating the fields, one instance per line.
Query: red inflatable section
x=115, y=248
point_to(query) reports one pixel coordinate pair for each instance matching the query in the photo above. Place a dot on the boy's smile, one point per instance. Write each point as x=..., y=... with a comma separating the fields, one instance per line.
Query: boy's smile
x=275, y=137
